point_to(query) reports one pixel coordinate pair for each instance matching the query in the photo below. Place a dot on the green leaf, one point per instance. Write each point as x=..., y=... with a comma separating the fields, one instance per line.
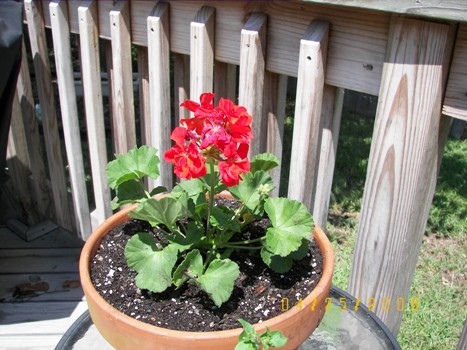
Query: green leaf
x=248, y=190
x=218, y=280
x=221, y=217
x=154, y=266
x=157, y=190
x=301, y=252
x=264, y=161
x=291, y=223
x=134, y=165
x=190, y=267
x=164, y=210
x=128, y=192
x=275, y=262
x=195, y=188
x=194, y=234
x=273, y=339
x=246, y=345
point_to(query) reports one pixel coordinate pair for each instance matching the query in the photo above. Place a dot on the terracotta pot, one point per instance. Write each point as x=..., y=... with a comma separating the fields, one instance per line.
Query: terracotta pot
x=124, y=332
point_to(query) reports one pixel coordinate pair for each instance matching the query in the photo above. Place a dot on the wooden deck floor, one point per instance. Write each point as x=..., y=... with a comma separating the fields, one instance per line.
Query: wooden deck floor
x=40, y=293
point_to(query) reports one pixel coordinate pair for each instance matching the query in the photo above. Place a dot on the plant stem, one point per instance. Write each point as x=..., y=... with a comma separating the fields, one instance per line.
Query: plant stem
x=250, y=241
x=211, y=197
x=240, y=247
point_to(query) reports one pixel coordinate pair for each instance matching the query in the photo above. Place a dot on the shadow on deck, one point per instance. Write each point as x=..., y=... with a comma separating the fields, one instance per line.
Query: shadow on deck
x=40, y=292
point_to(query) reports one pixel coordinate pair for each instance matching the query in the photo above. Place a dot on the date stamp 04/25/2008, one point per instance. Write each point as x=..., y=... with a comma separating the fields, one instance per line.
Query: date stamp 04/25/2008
x=400, y=304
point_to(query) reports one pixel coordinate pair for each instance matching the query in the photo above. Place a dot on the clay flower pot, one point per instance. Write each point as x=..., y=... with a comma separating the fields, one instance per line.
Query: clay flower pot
x=124, y=332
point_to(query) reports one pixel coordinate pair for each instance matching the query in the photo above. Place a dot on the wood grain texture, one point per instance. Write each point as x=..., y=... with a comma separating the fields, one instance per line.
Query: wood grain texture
x=19, y=166
x=181, y=85
x=202, y=52
x=251, y=78
x=275, y=95
x=69, y=113
x=306, y=130
x=225, y=81
x=159, y=88
x=143, y=91
x=123, y=111
x=49, y=116
x=455, y=100
x=92, y=89
x=40, y=191
x=446, y=9
x=407, y=142
x=331, y=113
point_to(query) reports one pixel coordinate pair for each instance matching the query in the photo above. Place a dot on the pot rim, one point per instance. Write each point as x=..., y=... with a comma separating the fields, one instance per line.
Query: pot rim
x=93, y=243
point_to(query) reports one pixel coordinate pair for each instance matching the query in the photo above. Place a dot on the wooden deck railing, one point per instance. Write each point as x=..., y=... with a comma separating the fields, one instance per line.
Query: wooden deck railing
x=417, y=67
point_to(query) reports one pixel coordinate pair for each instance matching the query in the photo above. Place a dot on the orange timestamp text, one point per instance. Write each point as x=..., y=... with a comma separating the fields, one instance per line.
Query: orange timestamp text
x=399, y=304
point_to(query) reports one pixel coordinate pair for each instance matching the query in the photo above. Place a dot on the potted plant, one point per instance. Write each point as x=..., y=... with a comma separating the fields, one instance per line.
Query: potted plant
x=200, y=233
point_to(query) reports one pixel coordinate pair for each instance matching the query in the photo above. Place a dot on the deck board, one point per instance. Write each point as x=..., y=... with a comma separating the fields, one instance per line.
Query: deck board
x=40, y=294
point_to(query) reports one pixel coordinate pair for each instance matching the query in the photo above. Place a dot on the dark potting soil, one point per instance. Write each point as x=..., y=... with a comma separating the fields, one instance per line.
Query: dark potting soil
x=259, y=293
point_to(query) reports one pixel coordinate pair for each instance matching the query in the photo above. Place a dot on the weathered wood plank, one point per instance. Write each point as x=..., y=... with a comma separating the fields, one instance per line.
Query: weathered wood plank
x=46, y=97
x=19, y=166
x=39, y=261
x=439, y=9
x=181, y=85
x=306, y=130
x=39, y=318
x=57, y=238
x=143, y=90
x=40, y=287
x=202, y=52
x=123, y=112
x=251, y=77
x=407, y=142
x=30, y=342
x=275, y=94
x=40, y=190
x=92, y=89
x=455, y=100
x=159, y=88
x=225, y=81
x=356, y=48
x=331, y=112
x=69, y=112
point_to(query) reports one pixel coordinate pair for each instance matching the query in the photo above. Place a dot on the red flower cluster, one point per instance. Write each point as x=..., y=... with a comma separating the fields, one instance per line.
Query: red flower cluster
x=220, y=133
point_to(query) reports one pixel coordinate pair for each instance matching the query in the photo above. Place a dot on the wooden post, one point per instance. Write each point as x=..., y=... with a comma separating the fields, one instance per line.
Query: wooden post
x=40, y=189
x=202, y=52
x=159, y=87
x=143, y=89
x=331, y=112
x=49, y=116
x=251, y=77
x=275, y=91
x=69, y=112
x=92, y=92
x=407, y=142
x=463, y=340
x=122, y=78
x=306, y=131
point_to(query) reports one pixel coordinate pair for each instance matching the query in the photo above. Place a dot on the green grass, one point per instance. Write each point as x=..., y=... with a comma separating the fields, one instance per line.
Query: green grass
x=440, y=277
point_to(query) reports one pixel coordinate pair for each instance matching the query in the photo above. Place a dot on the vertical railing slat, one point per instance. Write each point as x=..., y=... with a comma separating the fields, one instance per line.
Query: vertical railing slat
x=159, y=87
x=402, y=170
x=144, y=98
x=306, y=130
x=18, y=164
x=47, y=102
x=92, y=89
x=181, y=64
x=123, y=112
x=331, y=112
x=251, y=77
x=275, y=95
x=202, y=52
x=69, y=113
x=225, y=81
x=40, y=187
